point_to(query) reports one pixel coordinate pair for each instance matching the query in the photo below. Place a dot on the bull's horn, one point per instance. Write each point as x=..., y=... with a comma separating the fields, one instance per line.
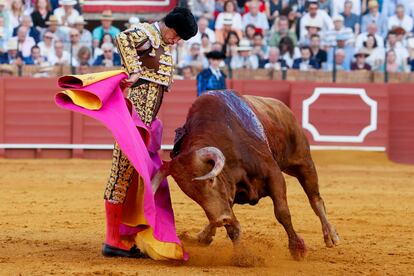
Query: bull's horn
x=211, y=153
x=162, y=173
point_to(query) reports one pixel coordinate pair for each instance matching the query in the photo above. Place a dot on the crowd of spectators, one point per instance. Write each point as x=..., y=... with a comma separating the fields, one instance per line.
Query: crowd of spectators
x=372, y=35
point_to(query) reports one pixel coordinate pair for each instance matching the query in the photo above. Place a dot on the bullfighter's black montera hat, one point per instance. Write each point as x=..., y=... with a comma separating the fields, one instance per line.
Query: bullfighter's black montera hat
x=216, y=55
x=182, y=21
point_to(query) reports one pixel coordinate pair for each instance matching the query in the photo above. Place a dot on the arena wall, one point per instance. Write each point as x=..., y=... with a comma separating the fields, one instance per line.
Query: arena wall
x=348, y=116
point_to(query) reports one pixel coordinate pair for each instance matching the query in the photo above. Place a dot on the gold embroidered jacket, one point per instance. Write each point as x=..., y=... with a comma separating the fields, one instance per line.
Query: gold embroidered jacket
x=143, y=51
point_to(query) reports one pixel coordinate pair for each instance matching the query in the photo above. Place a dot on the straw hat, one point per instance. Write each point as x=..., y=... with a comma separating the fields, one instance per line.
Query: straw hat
x=107, y=15
x=79, y=20
x=227, y=19
x=52, y=20
x=244, y=45
x=372, y=4
x=313, y=24
x=67, y=2
x=362, y=52
x=338, y=17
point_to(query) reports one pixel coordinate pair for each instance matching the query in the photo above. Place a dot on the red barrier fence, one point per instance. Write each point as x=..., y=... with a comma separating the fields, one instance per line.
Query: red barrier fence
x=352, y=116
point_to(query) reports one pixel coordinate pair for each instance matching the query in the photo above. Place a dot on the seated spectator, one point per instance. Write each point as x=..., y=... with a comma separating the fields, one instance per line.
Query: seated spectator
x=230, y=46
x=74, y=44
x=341, y=63
x=85, y=35
x=58, y=32
x=249, y=32
x=376, y=54
x=316, y=15
x=339, y=29
x=319, y=55
x=340, y=6
x=41, y=13
x=107, y=38
x=203, y=8
x=400, y=51
x=312, y=27
x=281, y=31
x=59, y=56
x=66, y=14
x=83, y=68
x=293, y=21
x=25, y=42
x=46, y=46
x=211, y=78
x=374, y=16
x=326, y=5
x=6, y=70
x=105, y=27
x=35, y=57
x=288, y=51
x=217, y=46
x=12, y=56
x=255, y=17
x=391, y=65
x=205, y=44
x=230, y=15
x=187, y=73
x=243, y=58
x=274, y=61
x=203, y=28
x=351, y=18
x=371, y=30
x=15, y=13
x=32, y=31
x=305, y=62
x=389, y=7
x=194, y=58
x=400, y=19
x=109, y=57
x=273, y=8
x=360, y=61
x=347, y=49
x=225, y=29
x=84, y=56
x=260, y=49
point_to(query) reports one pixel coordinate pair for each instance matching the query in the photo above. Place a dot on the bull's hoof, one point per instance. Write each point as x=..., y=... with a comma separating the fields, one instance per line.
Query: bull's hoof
x=297, y=248
x=330, y=236
x=195, y=240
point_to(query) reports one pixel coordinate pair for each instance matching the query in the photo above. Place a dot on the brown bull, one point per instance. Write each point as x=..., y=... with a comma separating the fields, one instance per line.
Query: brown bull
x=233, y=149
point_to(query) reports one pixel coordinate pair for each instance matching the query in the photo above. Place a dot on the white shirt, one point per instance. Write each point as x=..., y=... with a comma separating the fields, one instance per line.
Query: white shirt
x=237, y=21
x=53, y=59
x=322, y=18
x=44, y=50
x=290, y=59
x=26, y=46
x=362, y=37
x=406, y=23
x=259, y=21
x=60, y=12
x=338, y=6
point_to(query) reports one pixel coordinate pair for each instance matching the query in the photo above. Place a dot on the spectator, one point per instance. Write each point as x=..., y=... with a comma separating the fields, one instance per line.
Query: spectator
x=340, y=6
x=229, y=15
x=85, y=35
x=28, y=23
x=360, y=61
x=205, y=44
x=203, y=8
x=341, y=63
x=249, y=32
x=281, y=31
x=66, y=14
x=203, y=28
x=41, y=14
x=392, y=66
x=15, y=13
x=35, y=57
x=389, y=7
x=351, y=20
x=297, y=6
x=195, y=58
x=317, y=15
x=305, y=62
x=59, y=56
x=326, y=5
x=400, y=51
x=217, y=46
x=109, y=58
x=211, y=78
x=273, y=8
x=274, y=61
x=6, y=70
x=24, y=42
x=84, y=56
x=187, y=73
x=74, y=44
x=46, y=46
x=106, y=27
x=107, y=38
x=5, y=21
x=319, y=55
x=84, y=68
x=400, y=19
x=371, y=30
x=312, y=27
x=3, y=37
x=376, y=54
x=13, y=56
x=230, y=46
x=58, y=32
x=339, y=29
x=260, y=49
x=288, y=51
x=258, y=19
x=374, y=17
x=243, y=58
x=292, y=20
x=347, y=49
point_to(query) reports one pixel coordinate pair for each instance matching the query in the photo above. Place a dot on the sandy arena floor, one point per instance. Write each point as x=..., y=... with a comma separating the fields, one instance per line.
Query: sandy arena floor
x=52, y=222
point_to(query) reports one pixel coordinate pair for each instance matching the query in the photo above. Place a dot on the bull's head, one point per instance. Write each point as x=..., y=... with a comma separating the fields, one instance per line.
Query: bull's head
x=198, y=174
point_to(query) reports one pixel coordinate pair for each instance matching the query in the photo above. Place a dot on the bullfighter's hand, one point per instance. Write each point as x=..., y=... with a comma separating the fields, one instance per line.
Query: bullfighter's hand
x=126, y=83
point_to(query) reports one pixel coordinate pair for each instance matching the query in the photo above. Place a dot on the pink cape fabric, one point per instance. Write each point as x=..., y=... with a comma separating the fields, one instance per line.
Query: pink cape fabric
x=114, y=114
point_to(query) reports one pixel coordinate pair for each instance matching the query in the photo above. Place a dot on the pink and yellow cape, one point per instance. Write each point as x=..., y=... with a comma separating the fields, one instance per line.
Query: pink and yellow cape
x=148, y=215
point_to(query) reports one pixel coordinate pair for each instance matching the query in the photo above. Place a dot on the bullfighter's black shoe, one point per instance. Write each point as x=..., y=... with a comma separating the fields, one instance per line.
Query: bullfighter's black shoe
x=134, y=252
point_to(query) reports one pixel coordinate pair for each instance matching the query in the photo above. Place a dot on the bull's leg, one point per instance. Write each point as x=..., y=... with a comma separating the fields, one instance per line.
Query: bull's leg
x=308, y=178
x=206, y=235
x=233, y=230
x=277, y=191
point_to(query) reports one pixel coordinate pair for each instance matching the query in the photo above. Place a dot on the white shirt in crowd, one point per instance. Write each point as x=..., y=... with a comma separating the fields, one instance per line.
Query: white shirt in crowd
x=44, y=50
x=60, y=12
x=237, y=21
x=406, y=23
x=259, y=21
x=322, y=18
x=362, y=37
x=290, y=59
x=64, y=59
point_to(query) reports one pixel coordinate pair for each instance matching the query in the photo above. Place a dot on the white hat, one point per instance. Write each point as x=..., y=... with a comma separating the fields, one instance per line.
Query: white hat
x=313, y=23
x=67, y=2
x=227, y=19
x=12, y=44
x=132, y=21
x=338, y=17
x=79, y=20
x=244, y=45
